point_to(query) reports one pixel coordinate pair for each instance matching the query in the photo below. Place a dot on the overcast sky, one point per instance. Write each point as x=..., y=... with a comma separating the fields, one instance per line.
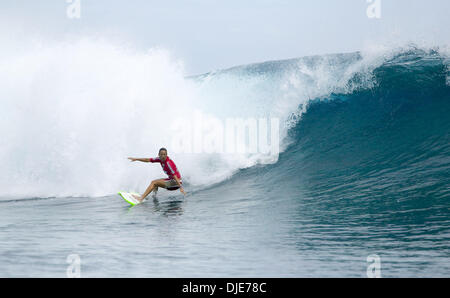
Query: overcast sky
x=215, y=34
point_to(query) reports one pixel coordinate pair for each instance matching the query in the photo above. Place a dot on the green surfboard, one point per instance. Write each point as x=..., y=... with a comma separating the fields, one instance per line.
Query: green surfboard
x=129, y=198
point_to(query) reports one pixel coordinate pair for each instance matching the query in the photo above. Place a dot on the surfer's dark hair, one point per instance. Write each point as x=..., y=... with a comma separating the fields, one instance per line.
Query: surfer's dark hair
x=162, y=150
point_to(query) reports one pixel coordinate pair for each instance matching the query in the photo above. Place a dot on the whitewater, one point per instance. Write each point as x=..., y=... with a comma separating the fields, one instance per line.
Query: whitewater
x=362, y=167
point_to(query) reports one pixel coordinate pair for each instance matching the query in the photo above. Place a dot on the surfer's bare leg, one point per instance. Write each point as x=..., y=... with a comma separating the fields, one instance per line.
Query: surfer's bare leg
x=154, y=185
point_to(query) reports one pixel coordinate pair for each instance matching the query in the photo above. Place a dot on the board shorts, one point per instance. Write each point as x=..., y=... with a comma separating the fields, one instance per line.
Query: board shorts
x=171, y=184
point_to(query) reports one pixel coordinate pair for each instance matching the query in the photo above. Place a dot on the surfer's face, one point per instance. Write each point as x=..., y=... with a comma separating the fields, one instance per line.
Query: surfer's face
x=163, y=155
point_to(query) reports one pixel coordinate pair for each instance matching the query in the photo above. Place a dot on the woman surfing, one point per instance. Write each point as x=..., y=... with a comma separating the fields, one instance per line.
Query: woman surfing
x=174, y=181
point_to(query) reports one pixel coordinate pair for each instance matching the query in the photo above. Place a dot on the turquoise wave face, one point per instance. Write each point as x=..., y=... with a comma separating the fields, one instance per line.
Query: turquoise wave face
x=390, y=140
x=374, y=149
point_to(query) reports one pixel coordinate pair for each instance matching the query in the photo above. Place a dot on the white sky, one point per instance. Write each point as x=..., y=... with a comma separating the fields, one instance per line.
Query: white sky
x=214, y=34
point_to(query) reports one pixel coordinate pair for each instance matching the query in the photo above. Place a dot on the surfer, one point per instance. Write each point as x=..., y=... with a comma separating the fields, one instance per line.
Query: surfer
x=172, y=183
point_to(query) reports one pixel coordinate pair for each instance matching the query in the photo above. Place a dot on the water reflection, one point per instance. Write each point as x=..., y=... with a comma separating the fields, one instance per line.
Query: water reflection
x=171, y=207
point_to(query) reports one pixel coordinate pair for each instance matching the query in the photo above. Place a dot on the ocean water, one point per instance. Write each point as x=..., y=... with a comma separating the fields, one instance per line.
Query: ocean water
x=363, y=168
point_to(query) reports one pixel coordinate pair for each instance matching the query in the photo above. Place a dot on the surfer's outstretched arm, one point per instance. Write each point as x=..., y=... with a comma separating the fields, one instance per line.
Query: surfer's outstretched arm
x=139, y=159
